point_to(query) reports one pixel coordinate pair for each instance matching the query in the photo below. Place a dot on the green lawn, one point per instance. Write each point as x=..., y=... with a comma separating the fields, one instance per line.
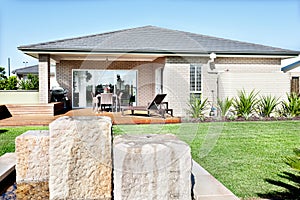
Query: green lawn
x=241, y=155
x=8, y=135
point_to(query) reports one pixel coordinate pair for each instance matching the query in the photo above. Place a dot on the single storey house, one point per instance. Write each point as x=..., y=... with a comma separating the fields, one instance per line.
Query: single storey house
x=23, y=72
x=144, y=61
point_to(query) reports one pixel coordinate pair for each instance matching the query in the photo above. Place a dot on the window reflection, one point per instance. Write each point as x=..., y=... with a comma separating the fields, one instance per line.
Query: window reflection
x=89, y=83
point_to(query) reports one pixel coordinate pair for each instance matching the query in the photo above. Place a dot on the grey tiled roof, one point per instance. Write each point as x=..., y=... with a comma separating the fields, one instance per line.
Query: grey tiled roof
x=27, y=70
x=153, y=39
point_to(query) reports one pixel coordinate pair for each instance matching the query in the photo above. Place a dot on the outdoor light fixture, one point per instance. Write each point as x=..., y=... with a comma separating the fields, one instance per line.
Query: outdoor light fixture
x=212, y=56
x=211, y=62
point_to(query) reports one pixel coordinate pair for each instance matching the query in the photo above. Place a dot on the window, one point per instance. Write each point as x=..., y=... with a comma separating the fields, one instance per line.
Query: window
x=88, y=83
x=195, y=80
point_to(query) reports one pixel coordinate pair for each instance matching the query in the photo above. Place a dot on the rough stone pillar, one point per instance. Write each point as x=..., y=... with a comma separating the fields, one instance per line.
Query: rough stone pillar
x=32, y=168
x=151, y=167
x=44, y=78
x=80, y=158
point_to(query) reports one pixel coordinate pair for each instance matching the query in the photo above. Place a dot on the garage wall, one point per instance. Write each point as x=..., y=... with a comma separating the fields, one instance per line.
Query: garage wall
x=273, y=83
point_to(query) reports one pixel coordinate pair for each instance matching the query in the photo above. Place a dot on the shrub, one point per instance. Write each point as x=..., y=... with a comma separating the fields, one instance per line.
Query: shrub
x=267, y=105
x=2, y=84
x=244, y=104
x=197, y=107
x=294, y=161
x=291, y=107
x=11, y=83
x=224, y=106
x=32, y=83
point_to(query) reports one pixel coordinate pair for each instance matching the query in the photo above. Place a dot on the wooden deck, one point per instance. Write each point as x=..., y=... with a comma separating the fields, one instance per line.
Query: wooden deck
x=117, y=118
x=50, y=109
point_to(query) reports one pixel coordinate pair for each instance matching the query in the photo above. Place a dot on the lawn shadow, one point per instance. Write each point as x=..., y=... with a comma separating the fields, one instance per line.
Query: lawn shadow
x=3, y=131
x=290, y=182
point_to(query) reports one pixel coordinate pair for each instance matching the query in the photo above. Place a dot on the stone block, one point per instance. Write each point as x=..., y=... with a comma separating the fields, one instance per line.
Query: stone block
x=32, y=168
x=32, y=151
x=151, y=167
x=80, y=158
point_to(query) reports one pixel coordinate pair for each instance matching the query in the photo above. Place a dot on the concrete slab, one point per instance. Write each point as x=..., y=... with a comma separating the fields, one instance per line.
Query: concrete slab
x=206, y=187
x=7, y=164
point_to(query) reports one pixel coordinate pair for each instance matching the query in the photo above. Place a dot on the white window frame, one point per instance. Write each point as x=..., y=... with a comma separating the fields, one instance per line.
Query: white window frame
x=197, y=67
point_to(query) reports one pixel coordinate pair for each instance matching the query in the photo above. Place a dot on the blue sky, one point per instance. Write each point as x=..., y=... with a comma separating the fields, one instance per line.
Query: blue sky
x=269, y=22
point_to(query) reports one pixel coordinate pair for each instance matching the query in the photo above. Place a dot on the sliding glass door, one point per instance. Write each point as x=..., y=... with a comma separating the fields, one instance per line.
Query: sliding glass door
x=89, y=83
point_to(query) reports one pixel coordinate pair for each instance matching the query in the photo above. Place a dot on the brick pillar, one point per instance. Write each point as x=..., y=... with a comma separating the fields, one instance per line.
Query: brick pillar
x=44, y=78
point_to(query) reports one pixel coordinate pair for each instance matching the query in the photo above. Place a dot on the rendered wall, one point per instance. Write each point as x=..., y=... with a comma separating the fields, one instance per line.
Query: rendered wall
x=19, y=97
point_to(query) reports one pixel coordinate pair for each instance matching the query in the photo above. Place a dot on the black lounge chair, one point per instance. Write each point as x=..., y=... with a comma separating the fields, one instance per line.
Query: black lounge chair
x=157, y=105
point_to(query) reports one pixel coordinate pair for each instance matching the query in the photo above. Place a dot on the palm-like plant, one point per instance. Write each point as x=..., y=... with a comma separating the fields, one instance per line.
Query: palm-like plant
x=244, y=104
x=197, y=107
x=267, y=105
x=294, y=161
x=291, y=107
x=224, y=106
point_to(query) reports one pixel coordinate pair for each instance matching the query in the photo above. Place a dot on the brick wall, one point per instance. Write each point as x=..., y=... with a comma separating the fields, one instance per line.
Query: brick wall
x=176, y=86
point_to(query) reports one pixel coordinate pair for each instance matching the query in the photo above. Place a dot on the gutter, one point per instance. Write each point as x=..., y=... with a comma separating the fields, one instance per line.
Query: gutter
x=291, y=66
x=119, y=53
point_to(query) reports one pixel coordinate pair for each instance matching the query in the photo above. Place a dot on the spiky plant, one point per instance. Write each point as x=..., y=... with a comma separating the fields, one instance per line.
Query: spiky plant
x=291, y=107
x=294, y=161
x=245, y=104
x=267, y=105
x=224, y=106
x=197, y=106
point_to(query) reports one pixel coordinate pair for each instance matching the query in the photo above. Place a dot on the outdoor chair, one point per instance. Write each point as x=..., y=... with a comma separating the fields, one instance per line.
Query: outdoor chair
x=106, y=100
x=95, y=102
x=156, y=105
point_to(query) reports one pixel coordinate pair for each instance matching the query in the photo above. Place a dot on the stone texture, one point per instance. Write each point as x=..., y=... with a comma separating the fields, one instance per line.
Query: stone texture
x=80, y=158
x=32, y=151
x=32, y=168
x=33, y=190
x=151, y=167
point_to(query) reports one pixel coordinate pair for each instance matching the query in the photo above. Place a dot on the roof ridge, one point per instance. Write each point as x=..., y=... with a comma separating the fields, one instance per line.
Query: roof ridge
x=82, y=37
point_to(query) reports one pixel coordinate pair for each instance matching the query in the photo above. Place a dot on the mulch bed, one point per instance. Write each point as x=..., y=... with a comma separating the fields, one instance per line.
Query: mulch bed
x=239, y=119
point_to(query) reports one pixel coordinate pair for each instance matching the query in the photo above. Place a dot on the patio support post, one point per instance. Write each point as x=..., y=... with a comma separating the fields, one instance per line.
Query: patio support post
x=44, y=78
